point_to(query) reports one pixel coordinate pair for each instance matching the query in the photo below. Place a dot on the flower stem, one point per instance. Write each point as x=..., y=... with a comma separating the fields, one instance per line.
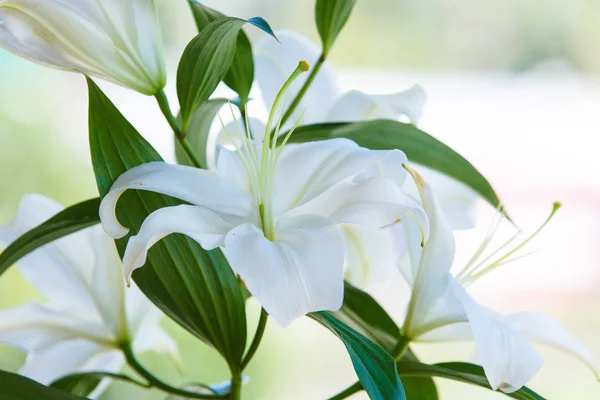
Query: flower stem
x=304, y=89
x=349, y=391
x=154, y=382
x=235, y=391
x=260, y=330
x=163, y=103
x=356, y=387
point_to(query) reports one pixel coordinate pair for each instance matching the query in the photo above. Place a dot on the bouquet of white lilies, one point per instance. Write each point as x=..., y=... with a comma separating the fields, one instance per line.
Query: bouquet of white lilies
x=303, y=211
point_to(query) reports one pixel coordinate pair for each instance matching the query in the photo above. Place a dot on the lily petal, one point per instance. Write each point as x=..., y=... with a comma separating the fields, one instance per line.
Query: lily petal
x=457, y=200
x=108, y=283
x=358, y=106
x=68, y=268
x=372, y=253
x=433, y=301
x=300, y=272
x=33, y=327
x=542, y=329
x=374, y=202
x=69, y=357
x=274, y=62
x=94, y=41
x=508, y=359
x=203, y=225
x=151, y=336
x=309, y=169
x=194, y=185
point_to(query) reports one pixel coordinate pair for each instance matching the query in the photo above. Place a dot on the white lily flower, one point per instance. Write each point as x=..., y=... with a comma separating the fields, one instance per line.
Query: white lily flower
x=370, y=252
x=114, y=40
x=324, y=101
x=275, y=212
x=87, y=313
x=441, y=309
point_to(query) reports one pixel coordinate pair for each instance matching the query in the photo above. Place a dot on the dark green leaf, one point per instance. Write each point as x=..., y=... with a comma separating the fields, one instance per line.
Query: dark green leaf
x=196, y=288
x=419, y=147
x=69, y=220
x=375, y=368
x=206, y=60
x=17, y=387
x=331, y=16
x=458, y=371
x=198, y=130
x=241, y=72
x=82, y=384
x=363, y=314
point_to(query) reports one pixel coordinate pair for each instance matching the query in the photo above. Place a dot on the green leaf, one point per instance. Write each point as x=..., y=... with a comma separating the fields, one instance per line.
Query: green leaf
x=196, y=288
x=240, y=75
x=463, y=372
x=84, y=383
x=17, y=387
x=419, y=147
x=69, y=220
x=363, y=314
x=206, y=60
x=331, y=16
x=375, y=368
x=198, y=130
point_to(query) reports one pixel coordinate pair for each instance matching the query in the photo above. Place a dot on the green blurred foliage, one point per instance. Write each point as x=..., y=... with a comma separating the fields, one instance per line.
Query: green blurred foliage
x=449, y=34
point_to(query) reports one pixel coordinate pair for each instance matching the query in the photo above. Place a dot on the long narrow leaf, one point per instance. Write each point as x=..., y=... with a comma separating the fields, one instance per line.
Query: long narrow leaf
x=196, y=288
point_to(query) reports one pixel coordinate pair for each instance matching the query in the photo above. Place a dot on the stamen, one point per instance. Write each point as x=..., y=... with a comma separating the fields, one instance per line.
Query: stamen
x=242, y=156
x=267, y=166
x=506, y=258
x=470, y=266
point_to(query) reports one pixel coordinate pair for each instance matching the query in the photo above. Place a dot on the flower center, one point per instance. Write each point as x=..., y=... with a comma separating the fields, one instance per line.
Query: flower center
x=478, y=267
x=261, y=168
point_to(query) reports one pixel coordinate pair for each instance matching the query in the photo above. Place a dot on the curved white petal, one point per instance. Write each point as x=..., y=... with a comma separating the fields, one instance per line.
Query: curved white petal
x=508, y=359
x=67, y=262
x=70, y=357
x=203, y=225
x=542, y=329
x=375, y=202
x=118, y=41
x=149, y=335
x=32, y=327
x=274, y=63
x=309, y=169
x=107, y=287
x=194, y=185
x=371, y=253
x=300, y=272
x=456, y=199
x=358, y=106
x=433, y=301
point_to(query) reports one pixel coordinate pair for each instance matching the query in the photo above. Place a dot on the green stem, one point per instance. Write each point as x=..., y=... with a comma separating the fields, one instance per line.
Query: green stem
x=235, y=391
x=163, y=103
x=260, y=330
x=157, y=383
x=304, y=89
x=356, y=387
x=349, y=391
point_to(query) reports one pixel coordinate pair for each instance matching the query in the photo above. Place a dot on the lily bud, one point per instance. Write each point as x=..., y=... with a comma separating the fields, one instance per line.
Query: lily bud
x=114, y=40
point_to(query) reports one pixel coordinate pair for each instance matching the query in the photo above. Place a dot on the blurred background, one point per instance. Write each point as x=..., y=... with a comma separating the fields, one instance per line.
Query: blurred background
x=512, y=85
